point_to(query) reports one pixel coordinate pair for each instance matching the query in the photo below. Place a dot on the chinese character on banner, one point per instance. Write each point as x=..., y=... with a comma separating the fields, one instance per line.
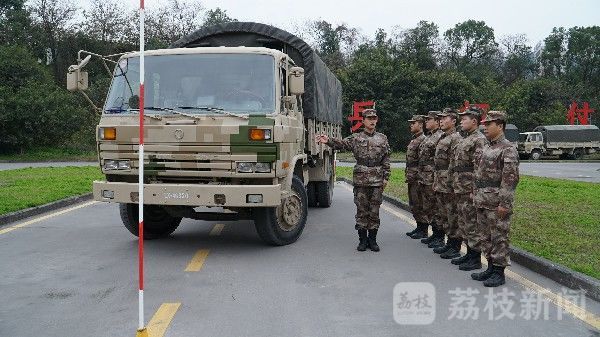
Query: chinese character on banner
x=484, y=106
x=356, y=117
x=582, y=115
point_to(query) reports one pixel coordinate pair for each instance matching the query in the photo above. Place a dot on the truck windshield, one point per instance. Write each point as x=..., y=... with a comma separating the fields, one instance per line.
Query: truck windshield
x=196, y=83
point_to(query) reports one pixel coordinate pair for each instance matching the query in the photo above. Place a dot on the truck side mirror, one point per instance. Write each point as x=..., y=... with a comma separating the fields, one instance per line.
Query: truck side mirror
x=296, y=81
x=77, y=80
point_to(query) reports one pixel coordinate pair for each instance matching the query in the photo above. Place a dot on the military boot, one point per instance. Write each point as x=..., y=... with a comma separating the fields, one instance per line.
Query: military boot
x=474, y=262
x=430, y=238
x=463, y=258
x=444, y=248
x=438, y=240
x=497, y=277
x=421, y=231
x=484, y=275
x=414, y=231
x=362, y=240
x=372, y=240
x=454, y=250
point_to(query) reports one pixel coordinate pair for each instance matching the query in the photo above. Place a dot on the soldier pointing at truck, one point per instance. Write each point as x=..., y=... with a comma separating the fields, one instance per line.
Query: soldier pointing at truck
x=371, y=174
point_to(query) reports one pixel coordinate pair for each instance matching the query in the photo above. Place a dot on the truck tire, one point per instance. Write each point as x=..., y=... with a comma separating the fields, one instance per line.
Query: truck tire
x=325, y=192
x=536, y=155
x=578, y=154
x=311, y=192
x=157, y=222
x=282, y=225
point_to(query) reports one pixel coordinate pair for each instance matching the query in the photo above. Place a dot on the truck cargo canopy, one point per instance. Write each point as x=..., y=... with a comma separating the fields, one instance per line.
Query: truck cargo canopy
x=322, y=99
x=569, y=133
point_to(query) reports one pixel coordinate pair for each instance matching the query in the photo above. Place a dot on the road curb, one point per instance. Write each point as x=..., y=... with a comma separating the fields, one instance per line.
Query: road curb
x=29, y=212
x=556, y=272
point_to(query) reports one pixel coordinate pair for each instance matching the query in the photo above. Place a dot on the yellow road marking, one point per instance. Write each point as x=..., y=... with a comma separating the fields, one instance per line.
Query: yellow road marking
x=197, y=260
x=161, y=319
x=217, y=229
x=558, y=300
x=45, y=217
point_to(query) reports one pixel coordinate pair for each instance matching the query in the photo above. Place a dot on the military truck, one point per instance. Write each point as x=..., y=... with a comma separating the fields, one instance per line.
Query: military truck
x=565, y=141
x=231, y=114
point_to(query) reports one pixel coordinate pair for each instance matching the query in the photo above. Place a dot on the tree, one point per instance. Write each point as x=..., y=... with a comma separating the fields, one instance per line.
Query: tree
x=333, y=43
x=582, y=57
x=55, y=18
x=216, y=16
x=519, y=61
x=552, y=56
x=418, y=45
x=105, y=21
x=469, y=44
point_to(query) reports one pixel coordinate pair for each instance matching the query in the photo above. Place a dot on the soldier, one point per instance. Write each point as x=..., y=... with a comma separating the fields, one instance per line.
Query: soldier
x=466, y=155
x=496, y=179
x=442, y=185
x=370, y=176
x=417, y=123
x=426, y=175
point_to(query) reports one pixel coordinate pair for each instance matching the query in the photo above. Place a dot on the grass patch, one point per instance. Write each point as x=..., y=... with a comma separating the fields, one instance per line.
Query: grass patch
x=348, y=156
x=29, y=187
x=554, y=218
x=51, y=154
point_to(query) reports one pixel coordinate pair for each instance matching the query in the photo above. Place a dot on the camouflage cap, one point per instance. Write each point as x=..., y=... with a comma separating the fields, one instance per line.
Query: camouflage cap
x=448, y=112
x=473, y=110
x=432, y=114
x=495, y=116
x=417, y=118
x=369, y=113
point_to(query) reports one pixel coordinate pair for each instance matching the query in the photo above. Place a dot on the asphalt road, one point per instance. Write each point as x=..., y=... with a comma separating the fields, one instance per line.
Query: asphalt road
x=75, y=274
x=589, y=172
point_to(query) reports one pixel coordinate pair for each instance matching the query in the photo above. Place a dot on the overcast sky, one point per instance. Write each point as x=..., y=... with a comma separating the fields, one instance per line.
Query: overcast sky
x=535, y=18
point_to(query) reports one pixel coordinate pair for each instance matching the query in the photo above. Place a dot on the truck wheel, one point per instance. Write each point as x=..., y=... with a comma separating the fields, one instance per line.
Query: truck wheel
x=157, y=222
x=282, y=225
x=536, y=155
x=311, y=192
x=325, y=192
x=578, y=154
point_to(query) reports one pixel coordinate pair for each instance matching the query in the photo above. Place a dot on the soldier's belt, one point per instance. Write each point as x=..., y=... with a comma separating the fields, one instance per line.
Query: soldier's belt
x=441, y=167
x=412, y=164
x=488, y=183
x=463, y=169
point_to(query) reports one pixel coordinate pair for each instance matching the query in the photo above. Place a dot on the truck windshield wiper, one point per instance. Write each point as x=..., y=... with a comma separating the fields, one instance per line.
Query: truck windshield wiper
x=117, y=110
x=213, y=109
x=169, y=110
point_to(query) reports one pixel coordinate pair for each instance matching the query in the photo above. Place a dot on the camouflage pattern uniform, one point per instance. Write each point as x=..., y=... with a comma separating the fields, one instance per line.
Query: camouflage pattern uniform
x=442, y=184
x=372, y=154
x=496, y=179
x=412, y=174
x=426, y=174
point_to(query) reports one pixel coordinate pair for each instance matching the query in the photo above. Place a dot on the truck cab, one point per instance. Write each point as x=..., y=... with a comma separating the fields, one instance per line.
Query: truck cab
x=531, y=145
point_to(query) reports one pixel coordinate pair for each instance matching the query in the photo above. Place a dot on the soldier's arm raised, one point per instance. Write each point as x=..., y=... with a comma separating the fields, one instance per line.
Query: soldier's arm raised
x=346, y=144
x=510, y=177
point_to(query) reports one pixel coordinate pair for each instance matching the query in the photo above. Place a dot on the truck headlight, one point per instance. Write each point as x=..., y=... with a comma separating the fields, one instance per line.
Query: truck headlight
x=110, y=165
x=262, y=167
x=107, y=133
x=245, y=167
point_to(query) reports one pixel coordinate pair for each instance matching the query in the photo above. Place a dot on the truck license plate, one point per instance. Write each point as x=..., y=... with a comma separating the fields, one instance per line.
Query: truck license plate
x=180, y=195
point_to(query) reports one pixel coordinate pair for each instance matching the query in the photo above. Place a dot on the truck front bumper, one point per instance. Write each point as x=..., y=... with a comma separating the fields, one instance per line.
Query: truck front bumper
x=190, y=195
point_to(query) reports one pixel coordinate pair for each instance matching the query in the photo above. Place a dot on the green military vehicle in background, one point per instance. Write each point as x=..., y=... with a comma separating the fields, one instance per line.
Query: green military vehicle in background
x=231, y=114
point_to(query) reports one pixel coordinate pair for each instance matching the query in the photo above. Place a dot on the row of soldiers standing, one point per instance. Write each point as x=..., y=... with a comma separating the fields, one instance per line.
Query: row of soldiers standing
x=462, y=186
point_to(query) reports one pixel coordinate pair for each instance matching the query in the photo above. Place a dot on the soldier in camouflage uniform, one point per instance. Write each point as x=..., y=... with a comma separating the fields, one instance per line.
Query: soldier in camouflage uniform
x=426, y=177
x=496, y=179
x=370, y=176
x=417, y=123
x=442, y=185
x=462, y=166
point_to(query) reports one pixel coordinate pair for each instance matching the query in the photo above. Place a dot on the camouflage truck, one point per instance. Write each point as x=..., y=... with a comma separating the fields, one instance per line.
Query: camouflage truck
x=231, y=114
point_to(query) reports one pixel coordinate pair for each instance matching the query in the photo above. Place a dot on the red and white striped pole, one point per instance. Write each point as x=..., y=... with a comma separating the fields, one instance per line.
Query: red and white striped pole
x=141, y=325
